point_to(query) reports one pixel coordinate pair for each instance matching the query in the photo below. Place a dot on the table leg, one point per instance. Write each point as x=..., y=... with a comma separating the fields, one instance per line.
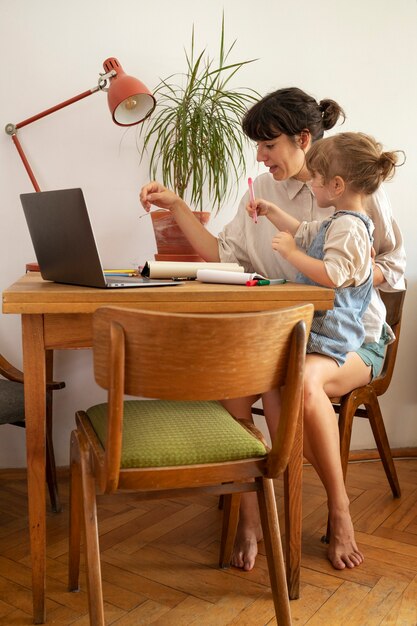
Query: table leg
x=34, y=367
x=293, y=477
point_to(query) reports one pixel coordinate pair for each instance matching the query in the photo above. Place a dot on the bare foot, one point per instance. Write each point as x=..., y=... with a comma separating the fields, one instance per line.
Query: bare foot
x=246, y=546
x=343, y=551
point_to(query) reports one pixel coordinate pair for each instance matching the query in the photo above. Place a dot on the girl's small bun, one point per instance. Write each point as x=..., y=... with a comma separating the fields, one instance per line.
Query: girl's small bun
x=387, y=163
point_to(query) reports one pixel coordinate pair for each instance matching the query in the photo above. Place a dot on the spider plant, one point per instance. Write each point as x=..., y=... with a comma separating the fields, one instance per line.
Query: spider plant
x=194, y=138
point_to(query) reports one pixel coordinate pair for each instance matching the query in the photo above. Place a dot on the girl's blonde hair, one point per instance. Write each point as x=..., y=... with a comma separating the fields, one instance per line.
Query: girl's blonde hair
x=357, y=158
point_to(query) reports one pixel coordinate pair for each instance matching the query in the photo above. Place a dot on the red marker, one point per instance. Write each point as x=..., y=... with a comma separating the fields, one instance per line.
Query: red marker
x=252, y=200
x=251, y=283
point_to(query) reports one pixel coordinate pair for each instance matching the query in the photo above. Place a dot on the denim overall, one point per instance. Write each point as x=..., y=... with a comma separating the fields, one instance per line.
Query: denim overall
x=340, y=330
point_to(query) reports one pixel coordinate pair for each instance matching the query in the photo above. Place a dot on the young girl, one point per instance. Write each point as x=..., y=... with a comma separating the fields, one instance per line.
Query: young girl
x=345, y=169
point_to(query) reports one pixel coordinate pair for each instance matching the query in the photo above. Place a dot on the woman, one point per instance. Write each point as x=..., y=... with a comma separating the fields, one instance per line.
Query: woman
x=285, y=124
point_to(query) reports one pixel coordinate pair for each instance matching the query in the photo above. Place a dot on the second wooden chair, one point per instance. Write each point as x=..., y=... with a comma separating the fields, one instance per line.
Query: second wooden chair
x=12, y=411
x=349, y=405
x=185, y=442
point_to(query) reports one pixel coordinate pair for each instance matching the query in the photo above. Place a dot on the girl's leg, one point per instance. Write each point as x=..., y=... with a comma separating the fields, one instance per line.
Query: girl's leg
x=323, y=380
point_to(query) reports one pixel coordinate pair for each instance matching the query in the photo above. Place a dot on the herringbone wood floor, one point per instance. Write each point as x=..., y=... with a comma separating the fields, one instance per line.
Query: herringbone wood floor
x=160, y=560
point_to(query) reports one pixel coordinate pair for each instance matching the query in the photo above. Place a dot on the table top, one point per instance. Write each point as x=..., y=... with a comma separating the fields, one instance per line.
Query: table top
x=32, y=294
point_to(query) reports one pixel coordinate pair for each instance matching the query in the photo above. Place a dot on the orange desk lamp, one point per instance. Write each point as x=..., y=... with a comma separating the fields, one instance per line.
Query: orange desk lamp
x=129, y=100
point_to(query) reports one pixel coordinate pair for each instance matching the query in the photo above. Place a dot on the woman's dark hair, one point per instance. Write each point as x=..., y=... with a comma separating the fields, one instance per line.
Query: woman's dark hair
x=290, y=111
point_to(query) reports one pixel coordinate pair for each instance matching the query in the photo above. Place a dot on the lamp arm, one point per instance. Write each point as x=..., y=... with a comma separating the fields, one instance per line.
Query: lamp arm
x=11, y=129
x=66, y=103
x=25, y=162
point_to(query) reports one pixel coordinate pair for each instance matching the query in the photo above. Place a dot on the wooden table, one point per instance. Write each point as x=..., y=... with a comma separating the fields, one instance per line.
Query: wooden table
x=58, y=316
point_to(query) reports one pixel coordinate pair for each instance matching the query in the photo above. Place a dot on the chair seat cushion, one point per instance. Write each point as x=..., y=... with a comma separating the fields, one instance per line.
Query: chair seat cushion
x=159, y=433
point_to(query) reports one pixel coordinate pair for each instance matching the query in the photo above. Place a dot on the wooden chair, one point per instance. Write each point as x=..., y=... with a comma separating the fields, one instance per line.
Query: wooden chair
x=12, y=411
x=185, y=443
x=367, y=396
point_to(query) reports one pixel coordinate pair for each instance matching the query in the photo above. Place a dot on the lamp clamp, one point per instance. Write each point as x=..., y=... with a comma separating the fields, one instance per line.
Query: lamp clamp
x=10, y=129
x=104, y=79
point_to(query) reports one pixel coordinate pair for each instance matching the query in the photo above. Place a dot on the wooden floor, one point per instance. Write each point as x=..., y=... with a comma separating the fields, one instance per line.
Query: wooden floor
x=159, y=560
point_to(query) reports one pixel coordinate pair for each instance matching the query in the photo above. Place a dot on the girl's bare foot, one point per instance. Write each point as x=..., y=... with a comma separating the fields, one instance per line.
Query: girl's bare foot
x=246, y=546
x=343, y=551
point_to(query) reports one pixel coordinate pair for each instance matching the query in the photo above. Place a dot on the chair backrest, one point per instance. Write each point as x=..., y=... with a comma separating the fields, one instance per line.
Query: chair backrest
x=394, y=302
x=9, y=371
x=201, y=357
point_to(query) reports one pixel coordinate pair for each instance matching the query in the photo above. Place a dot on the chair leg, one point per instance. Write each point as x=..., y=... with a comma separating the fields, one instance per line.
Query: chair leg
x=230, y=505
x=92, y=548
x=51, y=478
x=274, y=552
x=293, y=512
x=75, y=515
x=347, y=412
x=380, y=435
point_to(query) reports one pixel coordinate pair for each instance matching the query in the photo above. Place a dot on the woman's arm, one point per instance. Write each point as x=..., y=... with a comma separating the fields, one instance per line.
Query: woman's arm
x=379, y=277
x=390, y=260
x=203, y=242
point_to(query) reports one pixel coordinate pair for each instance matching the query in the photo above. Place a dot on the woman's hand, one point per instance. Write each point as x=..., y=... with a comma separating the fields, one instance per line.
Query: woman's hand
x=156, y=194
x=284, y=244
x=377, y=272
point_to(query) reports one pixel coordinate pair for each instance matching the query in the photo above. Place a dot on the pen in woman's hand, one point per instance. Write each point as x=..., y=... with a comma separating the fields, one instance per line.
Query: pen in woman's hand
x=252, y=200
x=149, y=212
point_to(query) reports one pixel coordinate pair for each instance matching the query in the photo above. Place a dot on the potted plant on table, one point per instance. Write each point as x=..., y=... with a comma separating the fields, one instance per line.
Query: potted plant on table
x=194, y=140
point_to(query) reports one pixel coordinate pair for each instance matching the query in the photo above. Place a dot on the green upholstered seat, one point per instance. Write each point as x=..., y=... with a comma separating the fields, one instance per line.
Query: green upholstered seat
x=159, y=433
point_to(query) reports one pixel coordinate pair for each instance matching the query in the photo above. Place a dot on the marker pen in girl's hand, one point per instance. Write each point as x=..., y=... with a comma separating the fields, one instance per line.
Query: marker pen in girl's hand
x=252, y=199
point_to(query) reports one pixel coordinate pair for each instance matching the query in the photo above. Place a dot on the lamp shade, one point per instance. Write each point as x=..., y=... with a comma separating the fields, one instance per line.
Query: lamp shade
x=130, y=101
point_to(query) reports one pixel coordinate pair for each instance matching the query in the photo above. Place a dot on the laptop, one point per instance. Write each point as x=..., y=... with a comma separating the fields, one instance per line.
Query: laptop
x=64, y=242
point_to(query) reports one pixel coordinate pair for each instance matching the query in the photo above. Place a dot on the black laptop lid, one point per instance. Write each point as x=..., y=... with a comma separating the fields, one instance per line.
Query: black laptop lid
x=62, y=237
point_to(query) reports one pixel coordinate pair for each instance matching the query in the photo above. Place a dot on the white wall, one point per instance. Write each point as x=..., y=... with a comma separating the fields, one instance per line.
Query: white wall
x=362, y=54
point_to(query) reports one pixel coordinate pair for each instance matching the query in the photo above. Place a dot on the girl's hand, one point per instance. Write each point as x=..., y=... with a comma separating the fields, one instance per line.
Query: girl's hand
x=261, y=207
x=284, y=243
x=157, y=194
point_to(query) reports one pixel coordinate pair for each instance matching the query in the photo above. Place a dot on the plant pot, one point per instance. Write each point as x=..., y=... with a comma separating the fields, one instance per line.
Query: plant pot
x=171, y=243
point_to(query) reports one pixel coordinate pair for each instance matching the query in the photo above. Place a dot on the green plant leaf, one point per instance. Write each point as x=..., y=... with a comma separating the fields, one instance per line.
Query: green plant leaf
x=194, y=138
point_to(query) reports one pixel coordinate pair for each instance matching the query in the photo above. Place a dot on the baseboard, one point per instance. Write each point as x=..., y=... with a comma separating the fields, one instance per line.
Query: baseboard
x=16, y=473
x=372, y=455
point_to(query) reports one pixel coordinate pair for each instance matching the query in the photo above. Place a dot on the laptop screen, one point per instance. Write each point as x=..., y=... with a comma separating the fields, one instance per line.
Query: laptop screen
x=62, y=237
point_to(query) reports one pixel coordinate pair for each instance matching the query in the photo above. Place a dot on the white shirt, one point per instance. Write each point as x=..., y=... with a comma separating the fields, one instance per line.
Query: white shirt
x=249, y=244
